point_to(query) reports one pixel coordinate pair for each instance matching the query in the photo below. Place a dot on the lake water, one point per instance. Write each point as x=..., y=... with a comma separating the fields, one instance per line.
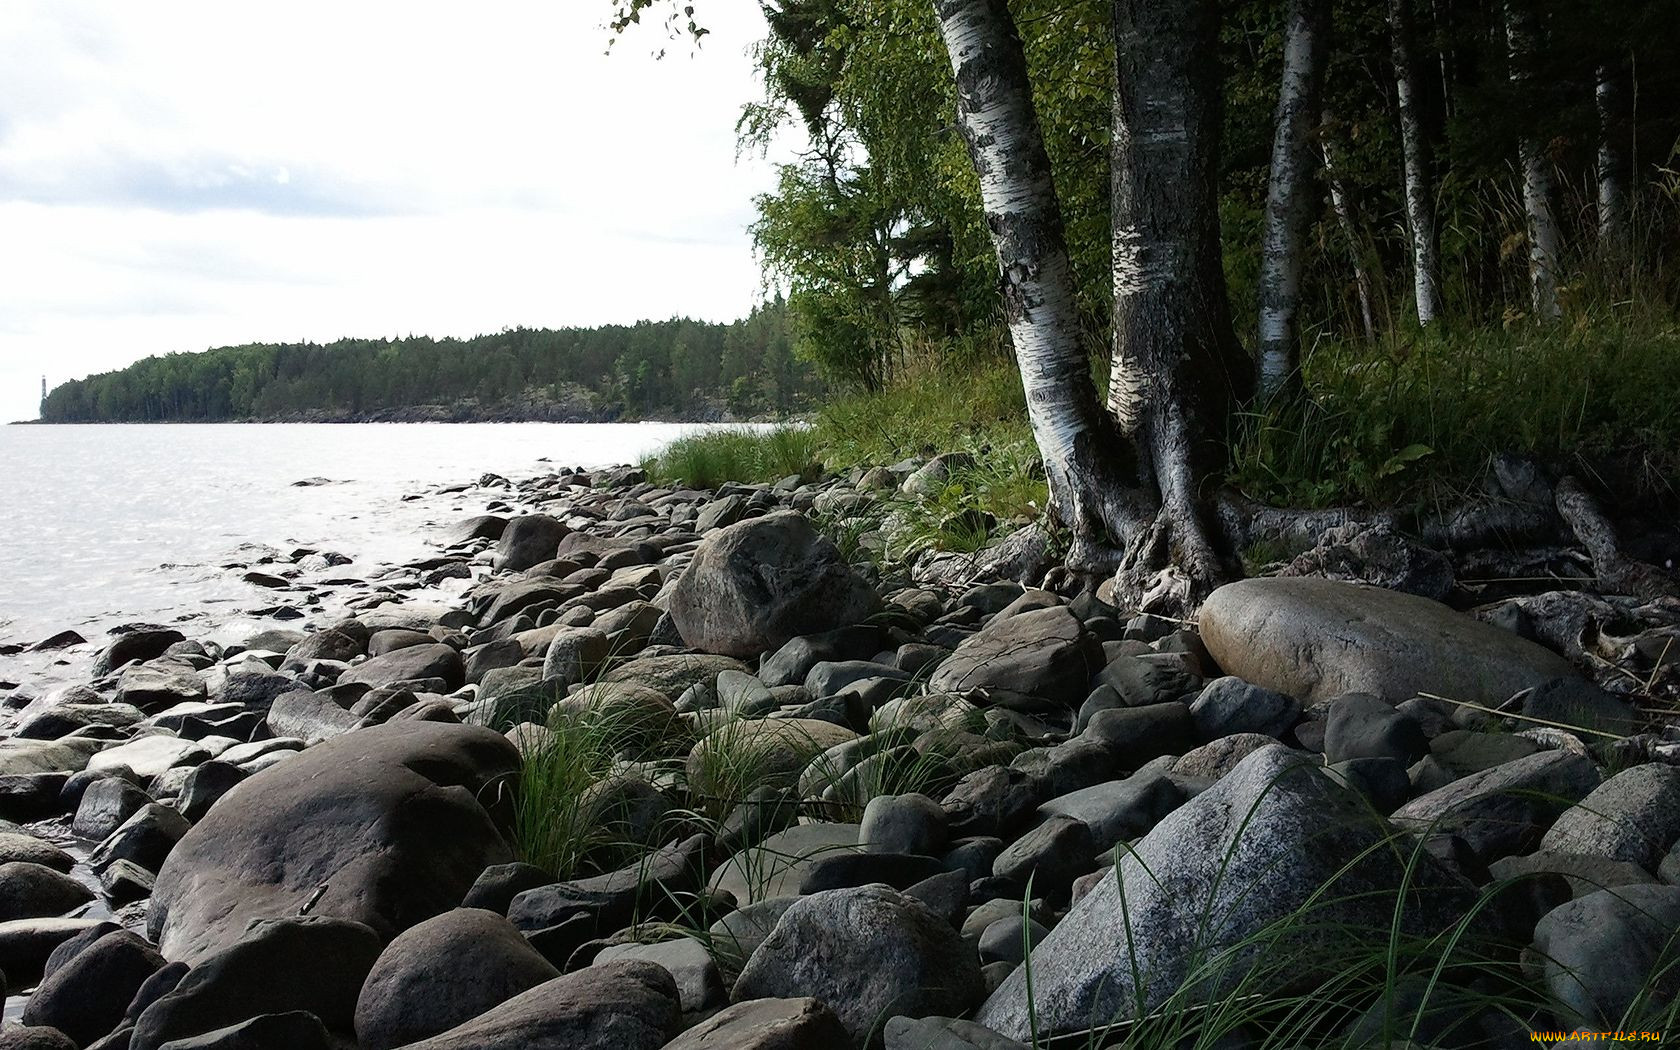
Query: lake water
x=104, y=525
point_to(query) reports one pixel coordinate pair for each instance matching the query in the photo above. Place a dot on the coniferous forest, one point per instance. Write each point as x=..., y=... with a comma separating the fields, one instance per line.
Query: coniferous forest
x=676, y=369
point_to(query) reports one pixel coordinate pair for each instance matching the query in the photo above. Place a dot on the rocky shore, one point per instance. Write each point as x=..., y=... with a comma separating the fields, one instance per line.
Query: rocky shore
x=676, y=773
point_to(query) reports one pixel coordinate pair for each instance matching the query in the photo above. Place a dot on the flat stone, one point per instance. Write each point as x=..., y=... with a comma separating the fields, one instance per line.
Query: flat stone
x=1316, y=639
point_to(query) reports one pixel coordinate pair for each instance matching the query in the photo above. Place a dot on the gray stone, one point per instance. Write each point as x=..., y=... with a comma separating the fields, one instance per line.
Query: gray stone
x=86, y=995
x=629, y=1005
x=1317, y=639
x=1604, y=951
x=1006, y=940
x=442, y=973
x=146, y=643
x=106, y=805
x=1365, y=726
x=313, y=963
x=1634, y=816
x=1171, y=899
x=411, y=664
x=910, y=823
x=1230, y=705
x=160, y=684
x=1506, y=809
x=292, y=1030
x=735, y=936
x=1117, y=810
x=1031, y=661
x=32, y=891
x=145, y=839
x=945, y=1033
x=1574, y=701
x=149, y=756
x=16, y=846
x=1218, y=757
x=574, y=654
x=26, y=944
x=699, y=982
x=756, y=584
x=528, y=540
x=869, y=953
x=767, y=1024
x=394, y=819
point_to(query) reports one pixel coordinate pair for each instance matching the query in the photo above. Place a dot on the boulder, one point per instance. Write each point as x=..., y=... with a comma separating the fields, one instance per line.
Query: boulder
x=149, y=756
x=740, y=756
x=1317, y=639
x=145, y=643
x=442, y=973
x=382, y=826
x=86, y=995
x=1227, y=706
x=26, y=945
x=628, y=1005
x=411, y=664
x=292, y=1030
x=33, y=891
x=1634, y=817
x=311, y=963
x=1032, y=660
x=1265, y=841
x=106, y=805
x=767, y=1024
x=16, y=846
x=528, y=540
x=869, y=953
x=1506, y=809
x=1608, y=950
x=756, y=584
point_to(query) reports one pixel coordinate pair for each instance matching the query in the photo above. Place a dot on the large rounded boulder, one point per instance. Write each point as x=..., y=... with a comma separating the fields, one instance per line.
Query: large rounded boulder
x=1319, y=639
x=383, y=826
x=758, y=583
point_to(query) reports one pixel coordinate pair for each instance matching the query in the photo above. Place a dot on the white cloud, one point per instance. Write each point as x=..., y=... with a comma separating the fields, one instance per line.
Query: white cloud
x=186, y=174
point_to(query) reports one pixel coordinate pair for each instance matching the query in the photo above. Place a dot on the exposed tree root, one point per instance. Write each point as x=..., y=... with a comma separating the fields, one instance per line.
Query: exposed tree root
x=1616, y=572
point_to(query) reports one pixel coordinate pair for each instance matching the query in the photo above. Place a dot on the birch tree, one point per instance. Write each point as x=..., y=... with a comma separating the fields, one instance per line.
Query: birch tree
x=1544, y=238
x=1127, y=482
x=1415, y=153
x=1612, y=96
x=1290, y=194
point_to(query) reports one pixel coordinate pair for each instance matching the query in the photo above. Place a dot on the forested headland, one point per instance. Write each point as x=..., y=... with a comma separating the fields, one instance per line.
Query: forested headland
x=678, y=370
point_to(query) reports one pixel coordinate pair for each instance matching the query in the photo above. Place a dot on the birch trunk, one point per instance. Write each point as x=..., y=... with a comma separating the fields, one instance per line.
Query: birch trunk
x=1090, y=468
x=1178, y=371
x=1420, y=191
x=1290, y=195
x=1350, y=231
x=1614, y=96
x=1544, y=238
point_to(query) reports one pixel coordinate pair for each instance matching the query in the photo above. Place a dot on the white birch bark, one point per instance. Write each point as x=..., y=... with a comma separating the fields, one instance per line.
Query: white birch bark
x=1420, y=190
x=1544, y=237
x=1290, y=194
x=1085, y=459
x=1612, y=95
x=1350, y=232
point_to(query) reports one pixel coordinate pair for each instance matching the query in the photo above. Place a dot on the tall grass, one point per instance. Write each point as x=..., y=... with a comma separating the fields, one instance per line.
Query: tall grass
x=709, y=459
x=1384, y=424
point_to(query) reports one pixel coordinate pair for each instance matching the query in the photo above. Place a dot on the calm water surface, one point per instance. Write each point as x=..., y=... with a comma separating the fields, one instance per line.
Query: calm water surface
x=103, y=525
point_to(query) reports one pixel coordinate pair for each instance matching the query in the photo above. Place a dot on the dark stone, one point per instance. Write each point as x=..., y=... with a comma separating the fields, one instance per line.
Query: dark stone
x=314, y=963
x=870, y=954
x=395, y=821
x=145, y=643
x=628, y=1005
x=756, y=584
x=497, y=885
x=86, y=995
x=205, y=785
x=844, y=870
x=442, y=973
x=407, y=665
x=31, y=891
x=1364, y=726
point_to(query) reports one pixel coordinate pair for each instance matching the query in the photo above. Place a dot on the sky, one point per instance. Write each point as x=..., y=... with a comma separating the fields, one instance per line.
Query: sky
x=182, y=174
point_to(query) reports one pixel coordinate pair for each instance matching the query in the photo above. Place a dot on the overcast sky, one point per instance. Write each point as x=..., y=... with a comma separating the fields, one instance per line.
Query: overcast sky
x=181, y=174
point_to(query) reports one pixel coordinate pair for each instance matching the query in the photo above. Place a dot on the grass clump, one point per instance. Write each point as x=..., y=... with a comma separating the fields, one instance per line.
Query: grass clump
x=746, y=454
x=1390, y=423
